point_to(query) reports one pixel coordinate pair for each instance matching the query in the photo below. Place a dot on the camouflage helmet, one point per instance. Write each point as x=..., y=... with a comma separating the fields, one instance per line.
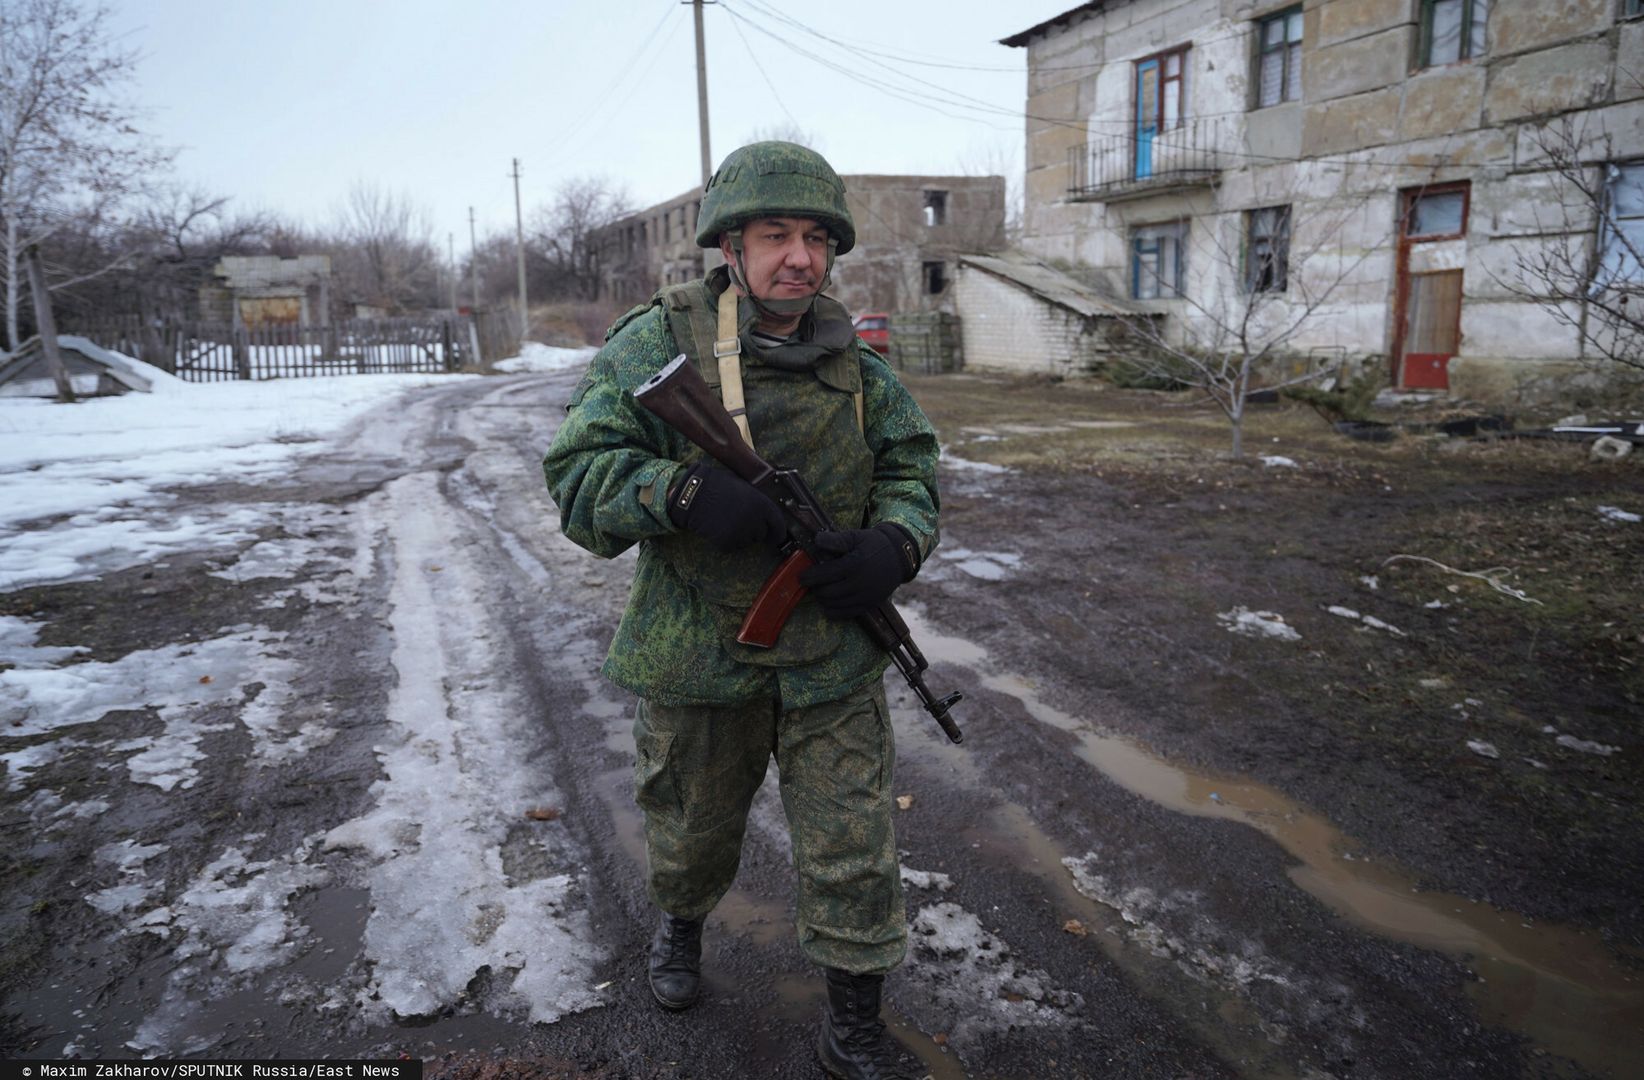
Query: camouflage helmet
x=774, y=179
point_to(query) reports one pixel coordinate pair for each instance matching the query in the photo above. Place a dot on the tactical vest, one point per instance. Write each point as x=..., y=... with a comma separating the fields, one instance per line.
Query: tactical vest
x=810, y=420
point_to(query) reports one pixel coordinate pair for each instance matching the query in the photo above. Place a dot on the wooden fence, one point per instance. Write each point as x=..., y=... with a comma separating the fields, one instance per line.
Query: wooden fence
x=206, y=352
x=925, y=341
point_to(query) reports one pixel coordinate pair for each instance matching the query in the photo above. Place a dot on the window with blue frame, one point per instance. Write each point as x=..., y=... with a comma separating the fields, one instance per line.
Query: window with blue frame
x=1157, y=261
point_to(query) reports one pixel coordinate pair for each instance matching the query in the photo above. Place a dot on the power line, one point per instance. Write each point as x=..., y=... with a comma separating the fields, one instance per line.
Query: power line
x=624, y=73
x=737, y=25
x=977, y=105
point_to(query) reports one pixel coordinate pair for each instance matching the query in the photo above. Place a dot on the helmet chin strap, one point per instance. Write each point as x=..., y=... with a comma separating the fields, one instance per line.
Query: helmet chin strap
x=779, y=310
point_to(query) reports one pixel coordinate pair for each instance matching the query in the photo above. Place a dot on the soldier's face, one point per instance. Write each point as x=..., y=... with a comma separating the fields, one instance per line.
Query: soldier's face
x=783, y=258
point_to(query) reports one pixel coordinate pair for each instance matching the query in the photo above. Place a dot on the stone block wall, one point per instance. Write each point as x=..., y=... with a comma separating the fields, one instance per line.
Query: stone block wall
x=1570, y=70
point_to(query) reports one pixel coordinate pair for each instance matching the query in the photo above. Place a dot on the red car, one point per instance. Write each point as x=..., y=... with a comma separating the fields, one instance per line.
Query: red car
x=874, y=328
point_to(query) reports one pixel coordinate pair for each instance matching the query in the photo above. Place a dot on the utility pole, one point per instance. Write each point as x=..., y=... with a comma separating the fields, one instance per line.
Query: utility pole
x=702, y=91
x=519, y=252
x=473, y=258
x=451, y=242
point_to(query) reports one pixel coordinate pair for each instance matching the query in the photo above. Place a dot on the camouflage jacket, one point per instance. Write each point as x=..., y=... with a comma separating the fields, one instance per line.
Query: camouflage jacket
x=612, y=463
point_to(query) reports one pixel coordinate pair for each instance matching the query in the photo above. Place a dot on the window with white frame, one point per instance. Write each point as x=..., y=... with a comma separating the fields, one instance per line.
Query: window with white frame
x=1631, y=8
x=1452, y=30
x=1623, y=225
x=1158, y=261
x=1267, y=249
x=1279, y=58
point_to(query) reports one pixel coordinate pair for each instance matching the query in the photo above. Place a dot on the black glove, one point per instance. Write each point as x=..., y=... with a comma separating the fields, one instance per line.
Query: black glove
x=725, y=509
x=870, y=564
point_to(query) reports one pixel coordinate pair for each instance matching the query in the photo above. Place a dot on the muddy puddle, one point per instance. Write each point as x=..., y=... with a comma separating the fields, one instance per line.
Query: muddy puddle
x=1561, y=987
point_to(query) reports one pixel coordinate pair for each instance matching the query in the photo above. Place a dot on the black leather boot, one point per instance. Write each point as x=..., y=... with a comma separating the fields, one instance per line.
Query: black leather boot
x=853, y=1045
x=676, y=962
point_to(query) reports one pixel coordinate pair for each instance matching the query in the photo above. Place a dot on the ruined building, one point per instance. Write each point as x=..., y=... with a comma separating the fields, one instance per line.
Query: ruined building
x=910, y=232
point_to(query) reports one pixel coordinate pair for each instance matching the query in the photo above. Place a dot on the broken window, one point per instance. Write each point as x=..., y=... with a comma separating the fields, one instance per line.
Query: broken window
x=1156, y=261
x=936, y=208
x=1279, y=41
x=1452, y=30
x=1267, y=249
x=1622, y=229
x=936, y=278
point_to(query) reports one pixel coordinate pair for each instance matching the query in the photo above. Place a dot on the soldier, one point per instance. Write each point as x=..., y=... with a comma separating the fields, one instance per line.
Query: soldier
x=809, y=394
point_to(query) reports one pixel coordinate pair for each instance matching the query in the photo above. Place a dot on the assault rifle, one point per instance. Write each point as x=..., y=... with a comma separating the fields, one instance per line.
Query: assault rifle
x=679, y=396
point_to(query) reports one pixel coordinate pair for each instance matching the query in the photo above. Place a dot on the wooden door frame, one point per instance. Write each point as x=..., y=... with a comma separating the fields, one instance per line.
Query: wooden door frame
x=1401, y=272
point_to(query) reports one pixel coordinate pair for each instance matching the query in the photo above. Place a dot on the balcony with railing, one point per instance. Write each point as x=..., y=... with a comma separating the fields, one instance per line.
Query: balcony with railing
x=1149, y=162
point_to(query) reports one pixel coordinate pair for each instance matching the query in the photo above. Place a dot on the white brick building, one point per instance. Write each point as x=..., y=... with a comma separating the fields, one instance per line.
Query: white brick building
x=1026, y=317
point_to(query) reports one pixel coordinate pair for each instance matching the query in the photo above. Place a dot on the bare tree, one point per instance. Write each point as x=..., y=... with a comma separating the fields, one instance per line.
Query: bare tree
x=1248, y=286
x=1586, y=266
x=69, y=150
x=387, y=254
x=563, y=232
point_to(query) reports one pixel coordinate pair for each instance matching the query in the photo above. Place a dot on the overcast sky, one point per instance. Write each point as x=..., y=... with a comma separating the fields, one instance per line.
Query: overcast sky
x=285, y=104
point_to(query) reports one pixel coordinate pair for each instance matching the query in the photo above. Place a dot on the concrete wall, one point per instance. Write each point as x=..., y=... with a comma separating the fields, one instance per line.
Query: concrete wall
x=1371, y=123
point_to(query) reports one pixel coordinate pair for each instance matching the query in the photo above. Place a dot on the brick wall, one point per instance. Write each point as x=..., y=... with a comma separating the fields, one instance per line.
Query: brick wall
x=1006, y=328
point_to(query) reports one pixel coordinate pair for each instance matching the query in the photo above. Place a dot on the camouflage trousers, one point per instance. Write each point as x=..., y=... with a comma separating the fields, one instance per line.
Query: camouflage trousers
x=696, y=772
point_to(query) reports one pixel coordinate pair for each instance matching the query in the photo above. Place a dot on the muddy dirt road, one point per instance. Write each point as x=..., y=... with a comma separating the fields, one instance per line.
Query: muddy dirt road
x=357, y=789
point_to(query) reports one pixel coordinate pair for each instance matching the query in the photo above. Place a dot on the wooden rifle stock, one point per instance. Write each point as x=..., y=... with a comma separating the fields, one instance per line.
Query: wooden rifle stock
x=678, y=395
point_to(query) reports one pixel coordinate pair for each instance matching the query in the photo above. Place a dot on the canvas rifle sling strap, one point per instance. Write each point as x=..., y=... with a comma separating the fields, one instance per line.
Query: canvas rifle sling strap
x=728, y=352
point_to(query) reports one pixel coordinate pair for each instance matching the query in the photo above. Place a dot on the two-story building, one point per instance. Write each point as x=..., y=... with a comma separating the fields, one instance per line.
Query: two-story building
x=1393, y=180
x=910, y=232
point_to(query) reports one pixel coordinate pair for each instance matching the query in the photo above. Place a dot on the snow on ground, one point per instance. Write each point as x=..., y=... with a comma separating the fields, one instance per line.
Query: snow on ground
x=966, y=966
x=1241, y=620
x=95, y=473
x=537, y=357
x=457, y=784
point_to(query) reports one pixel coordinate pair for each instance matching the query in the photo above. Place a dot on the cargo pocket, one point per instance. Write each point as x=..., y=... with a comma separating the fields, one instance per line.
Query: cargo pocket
x=656, y=789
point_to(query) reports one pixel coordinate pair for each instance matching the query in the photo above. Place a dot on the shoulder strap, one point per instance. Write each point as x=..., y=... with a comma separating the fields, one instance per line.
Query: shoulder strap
x=703, y=328
x=728, y=353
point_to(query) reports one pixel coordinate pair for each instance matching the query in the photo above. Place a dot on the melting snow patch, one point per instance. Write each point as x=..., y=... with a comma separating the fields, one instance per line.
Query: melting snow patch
x=1204, y=952
x=461, y=761
x=134, y=889
x=534, y=356
x=1249, y=623
x=960, y=464
x=185, y=683
x=926, y=879
x=1370, y=621
x=1615, y=513
x=114, y=538
x=965, y=967
x=235, y=919
x=1482, y=748
x=1277, y=461
x=985, y=565
x=1586, y=746
x=17, y=645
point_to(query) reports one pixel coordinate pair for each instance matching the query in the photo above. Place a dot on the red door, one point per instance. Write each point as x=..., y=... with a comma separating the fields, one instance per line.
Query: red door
x=1427, y=315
